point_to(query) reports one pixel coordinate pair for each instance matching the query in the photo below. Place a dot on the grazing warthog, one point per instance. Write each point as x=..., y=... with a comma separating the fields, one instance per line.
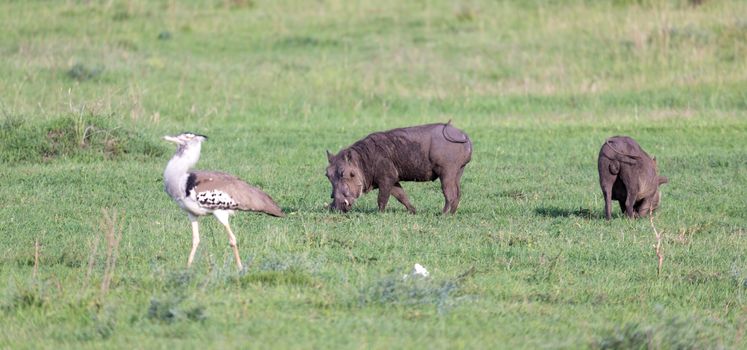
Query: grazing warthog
x=383, y=159
x=628, y=175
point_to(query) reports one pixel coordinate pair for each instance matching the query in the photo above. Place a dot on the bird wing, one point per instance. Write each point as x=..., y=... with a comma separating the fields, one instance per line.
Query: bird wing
x=217, y=190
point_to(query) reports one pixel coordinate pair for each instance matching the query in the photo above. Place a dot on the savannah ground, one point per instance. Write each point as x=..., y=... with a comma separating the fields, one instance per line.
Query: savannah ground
x=93, y=252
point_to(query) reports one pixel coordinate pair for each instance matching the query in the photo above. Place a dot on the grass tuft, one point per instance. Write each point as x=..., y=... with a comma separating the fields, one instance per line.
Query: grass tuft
x=239, y=4
x=79, y=137
x=398, y=290
x=629, y=336
x=669, y=333
x=81, y=72
x=164, y=35
x=32, y=294
x=739, y=276
x=283, y=270
x=301, y=42
x=275, y=278
x=103, y=324
x=174, y=308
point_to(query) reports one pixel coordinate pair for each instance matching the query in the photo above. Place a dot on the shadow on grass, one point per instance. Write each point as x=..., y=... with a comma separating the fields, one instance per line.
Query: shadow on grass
x=355, y=210
x=290, y=276
x=555, y=212
x=434, y=211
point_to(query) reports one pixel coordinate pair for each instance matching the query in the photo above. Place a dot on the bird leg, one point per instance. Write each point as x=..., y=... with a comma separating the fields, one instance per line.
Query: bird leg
x=222, y=216
x=232, y=243
x=195, y=239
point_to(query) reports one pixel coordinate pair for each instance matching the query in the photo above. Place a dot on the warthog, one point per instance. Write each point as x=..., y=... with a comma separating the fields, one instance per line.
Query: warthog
x=383, y=159
x=627, y=174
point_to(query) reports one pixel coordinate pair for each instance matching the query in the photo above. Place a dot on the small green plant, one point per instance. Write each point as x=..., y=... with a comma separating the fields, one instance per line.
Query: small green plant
x=81, y=72
x=164, y=35
x=173, y=308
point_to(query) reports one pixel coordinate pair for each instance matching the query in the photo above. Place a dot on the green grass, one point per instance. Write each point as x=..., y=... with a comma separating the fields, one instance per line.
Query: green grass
x=88, y=88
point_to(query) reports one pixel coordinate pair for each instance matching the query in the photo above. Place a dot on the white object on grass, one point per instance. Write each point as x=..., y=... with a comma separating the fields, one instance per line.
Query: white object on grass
x=417, y=271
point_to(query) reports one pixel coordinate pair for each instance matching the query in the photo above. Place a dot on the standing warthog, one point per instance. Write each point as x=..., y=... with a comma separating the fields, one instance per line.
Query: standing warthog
x=383, y=159
x=627, y=174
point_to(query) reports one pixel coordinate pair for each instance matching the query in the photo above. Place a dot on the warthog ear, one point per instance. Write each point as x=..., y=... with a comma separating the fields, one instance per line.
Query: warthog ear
x=663, y=180
x=329, y=156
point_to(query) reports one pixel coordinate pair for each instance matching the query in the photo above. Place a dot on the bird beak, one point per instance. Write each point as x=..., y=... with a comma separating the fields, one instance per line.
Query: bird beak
x=172, y=139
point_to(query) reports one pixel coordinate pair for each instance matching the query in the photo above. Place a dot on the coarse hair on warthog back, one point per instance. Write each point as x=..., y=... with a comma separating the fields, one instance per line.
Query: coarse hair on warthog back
x=384, y=159
x=628, y=175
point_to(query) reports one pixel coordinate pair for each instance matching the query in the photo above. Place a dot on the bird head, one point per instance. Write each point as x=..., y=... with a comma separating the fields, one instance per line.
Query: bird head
x=186, y=138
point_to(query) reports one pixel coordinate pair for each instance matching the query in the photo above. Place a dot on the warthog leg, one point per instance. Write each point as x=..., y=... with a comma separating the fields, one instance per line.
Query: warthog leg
x=399, y=193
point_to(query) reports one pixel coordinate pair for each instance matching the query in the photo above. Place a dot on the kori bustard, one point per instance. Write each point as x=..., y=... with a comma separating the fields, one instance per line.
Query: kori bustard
x=209, y=192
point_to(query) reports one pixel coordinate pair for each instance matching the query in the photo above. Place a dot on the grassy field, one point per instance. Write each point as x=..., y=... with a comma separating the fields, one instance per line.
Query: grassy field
x=93, y=252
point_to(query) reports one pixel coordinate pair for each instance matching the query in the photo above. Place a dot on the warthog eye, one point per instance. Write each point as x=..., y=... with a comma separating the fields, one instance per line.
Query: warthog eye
x=352, y=174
